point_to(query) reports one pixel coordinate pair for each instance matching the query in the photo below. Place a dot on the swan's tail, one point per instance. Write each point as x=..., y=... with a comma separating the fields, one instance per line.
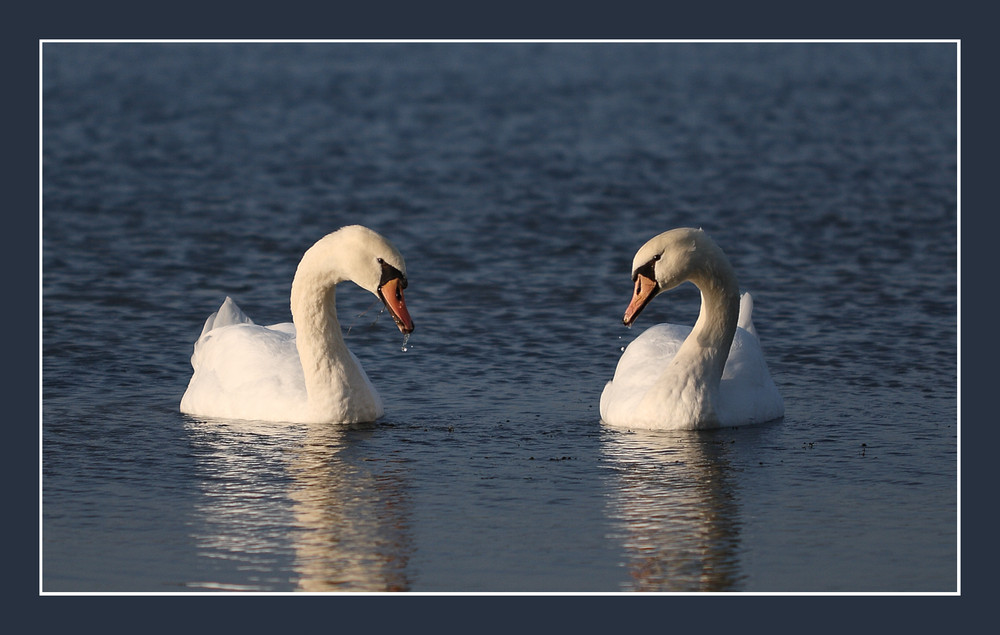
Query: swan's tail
x=746, y=310
x=227, y=314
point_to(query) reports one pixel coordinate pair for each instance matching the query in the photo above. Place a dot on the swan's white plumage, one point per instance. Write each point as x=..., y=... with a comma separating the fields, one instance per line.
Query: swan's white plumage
x=301, y=372
x=655, y=386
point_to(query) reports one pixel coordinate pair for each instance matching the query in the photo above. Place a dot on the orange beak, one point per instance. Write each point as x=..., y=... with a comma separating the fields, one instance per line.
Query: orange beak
x=645, y=289
x=391, y=294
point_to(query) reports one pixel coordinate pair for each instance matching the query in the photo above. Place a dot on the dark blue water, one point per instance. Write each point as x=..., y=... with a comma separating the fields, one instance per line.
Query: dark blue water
x=517, y=180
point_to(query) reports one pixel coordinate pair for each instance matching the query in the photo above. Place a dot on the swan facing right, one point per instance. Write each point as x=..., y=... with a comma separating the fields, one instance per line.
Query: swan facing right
x=299, y=372
x=682, y=378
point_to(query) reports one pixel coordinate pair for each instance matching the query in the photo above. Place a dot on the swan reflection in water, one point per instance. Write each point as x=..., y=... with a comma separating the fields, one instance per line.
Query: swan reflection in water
x=674, y=509
x=300, y=503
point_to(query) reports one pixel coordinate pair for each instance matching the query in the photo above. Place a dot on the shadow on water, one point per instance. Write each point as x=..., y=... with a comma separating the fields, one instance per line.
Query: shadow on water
x=674, y=510
x=300, y=507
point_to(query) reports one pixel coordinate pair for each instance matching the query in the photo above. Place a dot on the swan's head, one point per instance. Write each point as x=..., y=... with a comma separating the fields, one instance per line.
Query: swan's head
x=364, y=257
x=668, y=260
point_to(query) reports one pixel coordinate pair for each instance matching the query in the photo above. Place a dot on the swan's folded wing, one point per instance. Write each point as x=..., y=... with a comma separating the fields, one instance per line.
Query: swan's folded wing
x=244, y=368
x=228, y=314
x=745, y=320
x=747, y=391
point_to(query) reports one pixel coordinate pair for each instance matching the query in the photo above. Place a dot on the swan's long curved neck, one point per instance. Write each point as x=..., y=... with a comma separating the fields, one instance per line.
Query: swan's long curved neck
x=706, y=348
x=326, y=361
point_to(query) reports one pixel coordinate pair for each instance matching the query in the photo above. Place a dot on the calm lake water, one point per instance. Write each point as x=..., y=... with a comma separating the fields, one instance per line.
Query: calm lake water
x=518, y=180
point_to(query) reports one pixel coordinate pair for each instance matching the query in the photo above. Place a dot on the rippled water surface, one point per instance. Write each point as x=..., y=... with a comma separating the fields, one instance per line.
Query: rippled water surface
x=517, y=180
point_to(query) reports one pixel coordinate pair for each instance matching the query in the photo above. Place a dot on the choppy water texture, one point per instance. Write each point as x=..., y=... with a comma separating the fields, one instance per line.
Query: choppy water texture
x=518, y=180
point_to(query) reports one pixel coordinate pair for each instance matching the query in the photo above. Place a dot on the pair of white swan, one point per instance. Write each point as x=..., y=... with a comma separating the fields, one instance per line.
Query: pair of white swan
x=670, y=377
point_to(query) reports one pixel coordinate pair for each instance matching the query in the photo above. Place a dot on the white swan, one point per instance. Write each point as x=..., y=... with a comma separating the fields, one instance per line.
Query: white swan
x=301, y=372
x=676, y=377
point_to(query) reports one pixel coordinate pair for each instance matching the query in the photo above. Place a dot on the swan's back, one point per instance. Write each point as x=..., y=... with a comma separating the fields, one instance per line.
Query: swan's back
x=245, y=371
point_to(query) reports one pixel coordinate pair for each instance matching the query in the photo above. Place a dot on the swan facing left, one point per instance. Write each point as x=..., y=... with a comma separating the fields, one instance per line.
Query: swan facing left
x=300, y=372
x=677, y=377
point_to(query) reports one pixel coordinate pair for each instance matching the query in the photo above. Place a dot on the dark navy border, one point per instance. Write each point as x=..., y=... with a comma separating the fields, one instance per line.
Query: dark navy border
x=465, y=20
